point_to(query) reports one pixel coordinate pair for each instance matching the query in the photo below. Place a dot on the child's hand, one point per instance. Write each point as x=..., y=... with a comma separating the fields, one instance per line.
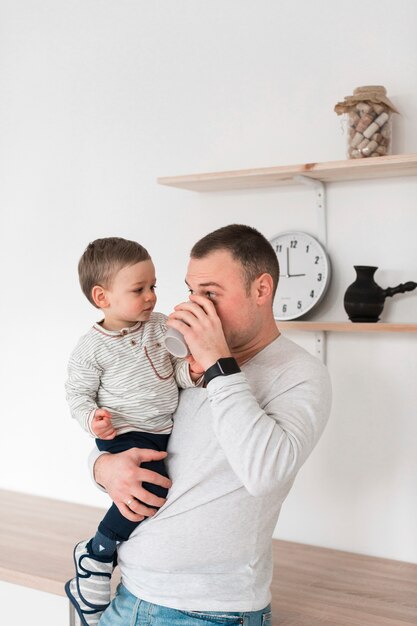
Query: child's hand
x=102, y=426
x=196, y=371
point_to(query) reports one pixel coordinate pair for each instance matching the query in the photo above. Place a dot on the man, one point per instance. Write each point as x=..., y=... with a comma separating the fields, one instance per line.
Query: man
x=237, y=445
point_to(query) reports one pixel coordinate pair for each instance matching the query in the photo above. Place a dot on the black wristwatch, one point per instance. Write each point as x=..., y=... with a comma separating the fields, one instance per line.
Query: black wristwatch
x=222, y=367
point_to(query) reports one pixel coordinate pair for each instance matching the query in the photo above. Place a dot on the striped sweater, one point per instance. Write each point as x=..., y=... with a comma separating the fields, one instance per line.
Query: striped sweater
x=129, y=373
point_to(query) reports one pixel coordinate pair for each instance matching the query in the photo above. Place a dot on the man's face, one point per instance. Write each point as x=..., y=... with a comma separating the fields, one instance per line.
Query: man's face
x=220, y=278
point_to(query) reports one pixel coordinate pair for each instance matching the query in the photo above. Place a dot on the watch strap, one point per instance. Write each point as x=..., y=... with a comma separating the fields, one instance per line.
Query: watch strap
x=222, y=367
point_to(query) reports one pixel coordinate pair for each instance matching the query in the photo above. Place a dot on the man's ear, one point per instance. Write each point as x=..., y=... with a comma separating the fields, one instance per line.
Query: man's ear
x=99, y=295
x=264, y=288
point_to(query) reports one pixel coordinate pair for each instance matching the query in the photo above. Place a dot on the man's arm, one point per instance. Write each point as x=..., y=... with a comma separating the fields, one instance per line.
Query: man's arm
x=267, y=446
x=122, y=477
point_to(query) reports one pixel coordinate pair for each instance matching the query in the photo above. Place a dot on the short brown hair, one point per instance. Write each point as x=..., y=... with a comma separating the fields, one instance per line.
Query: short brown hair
x=103, y=258
x=246, y=245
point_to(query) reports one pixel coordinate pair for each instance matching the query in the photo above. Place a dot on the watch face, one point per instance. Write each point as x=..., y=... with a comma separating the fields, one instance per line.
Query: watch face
x=304, y=274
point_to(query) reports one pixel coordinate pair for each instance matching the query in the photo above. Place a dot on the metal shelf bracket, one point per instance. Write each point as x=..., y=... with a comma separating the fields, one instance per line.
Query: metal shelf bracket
x=321, y=337
x=321, y=208
x=320, y=194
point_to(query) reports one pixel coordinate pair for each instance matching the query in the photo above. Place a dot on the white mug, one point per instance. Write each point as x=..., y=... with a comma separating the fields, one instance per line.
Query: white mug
x=175, y=343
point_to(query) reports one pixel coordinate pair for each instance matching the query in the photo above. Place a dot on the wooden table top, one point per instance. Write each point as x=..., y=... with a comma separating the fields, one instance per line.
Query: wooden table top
x=311, y=586
x=37, y=538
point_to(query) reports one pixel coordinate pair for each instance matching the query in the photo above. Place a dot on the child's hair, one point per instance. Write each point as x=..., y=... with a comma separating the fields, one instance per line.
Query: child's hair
x=103, y=258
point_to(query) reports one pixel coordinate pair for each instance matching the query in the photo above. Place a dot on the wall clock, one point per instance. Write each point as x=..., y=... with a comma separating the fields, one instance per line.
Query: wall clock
x=304, y=274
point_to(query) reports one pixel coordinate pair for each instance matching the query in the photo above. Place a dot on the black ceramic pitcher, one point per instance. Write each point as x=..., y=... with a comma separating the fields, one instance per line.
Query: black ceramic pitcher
x=364, y=299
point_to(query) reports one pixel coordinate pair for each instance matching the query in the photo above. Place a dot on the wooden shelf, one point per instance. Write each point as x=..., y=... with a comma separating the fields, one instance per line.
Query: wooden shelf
x=348, y=327
x=332, y=171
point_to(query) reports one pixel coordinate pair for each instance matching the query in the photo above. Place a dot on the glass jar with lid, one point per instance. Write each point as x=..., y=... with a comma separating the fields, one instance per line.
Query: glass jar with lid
x=369, y=113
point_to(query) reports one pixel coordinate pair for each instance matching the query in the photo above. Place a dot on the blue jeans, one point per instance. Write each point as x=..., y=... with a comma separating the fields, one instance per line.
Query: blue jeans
x=127, y=610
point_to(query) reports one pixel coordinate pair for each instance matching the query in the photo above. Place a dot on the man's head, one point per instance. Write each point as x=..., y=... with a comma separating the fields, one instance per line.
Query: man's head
x=103, y=259
x=237, y=269
x=247, y=246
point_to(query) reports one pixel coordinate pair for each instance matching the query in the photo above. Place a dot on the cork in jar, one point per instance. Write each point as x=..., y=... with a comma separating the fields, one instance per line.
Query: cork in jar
x=369, y=114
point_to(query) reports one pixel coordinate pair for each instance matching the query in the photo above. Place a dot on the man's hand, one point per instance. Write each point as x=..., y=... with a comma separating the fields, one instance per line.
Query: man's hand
x=122, y=477
x=101, y=425
x=198, y=321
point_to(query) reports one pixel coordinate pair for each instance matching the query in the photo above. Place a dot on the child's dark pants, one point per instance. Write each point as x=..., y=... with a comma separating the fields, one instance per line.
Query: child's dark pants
x=114, y=525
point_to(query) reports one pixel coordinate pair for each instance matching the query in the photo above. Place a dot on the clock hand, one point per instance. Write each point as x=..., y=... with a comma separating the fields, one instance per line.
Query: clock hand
x=285, y=275
x=288, y=267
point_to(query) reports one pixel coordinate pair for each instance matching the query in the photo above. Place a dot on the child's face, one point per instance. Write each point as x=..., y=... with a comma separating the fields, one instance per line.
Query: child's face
x=131, y=297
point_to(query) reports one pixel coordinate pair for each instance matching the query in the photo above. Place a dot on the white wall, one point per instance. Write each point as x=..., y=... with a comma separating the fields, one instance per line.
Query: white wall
x=98, y=98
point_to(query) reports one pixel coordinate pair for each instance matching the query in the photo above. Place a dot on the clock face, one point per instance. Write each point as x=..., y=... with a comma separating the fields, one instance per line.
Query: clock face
x=304, y=274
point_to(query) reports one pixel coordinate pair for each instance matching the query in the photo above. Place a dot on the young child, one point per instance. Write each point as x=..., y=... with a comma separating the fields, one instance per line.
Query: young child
x=122, y=388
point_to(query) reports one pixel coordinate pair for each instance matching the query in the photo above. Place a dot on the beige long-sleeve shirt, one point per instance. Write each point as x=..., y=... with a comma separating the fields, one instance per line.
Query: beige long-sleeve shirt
x=128, y=372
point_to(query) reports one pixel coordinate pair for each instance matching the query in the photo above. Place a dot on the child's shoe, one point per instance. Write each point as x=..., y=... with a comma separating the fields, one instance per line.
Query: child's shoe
x=89, y=591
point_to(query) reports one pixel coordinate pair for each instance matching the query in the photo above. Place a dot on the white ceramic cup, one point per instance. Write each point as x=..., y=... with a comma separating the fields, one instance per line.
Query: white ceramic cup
x=175, y=343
